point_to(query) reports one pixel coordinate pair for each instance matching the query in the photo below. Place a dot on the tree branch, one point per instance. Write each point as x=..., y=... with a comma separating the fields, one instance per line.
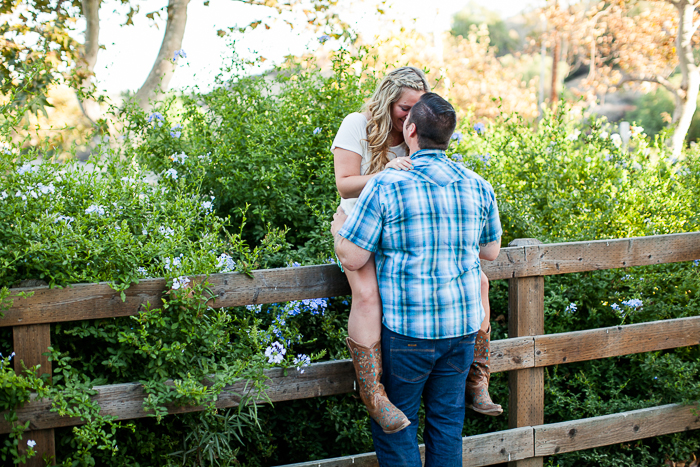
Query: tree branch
x=658, y=79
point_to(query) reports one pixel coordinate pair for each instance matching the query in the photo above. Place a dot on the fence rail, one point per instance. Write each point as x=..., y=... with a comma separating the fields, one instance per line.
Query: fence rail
x=524, y=355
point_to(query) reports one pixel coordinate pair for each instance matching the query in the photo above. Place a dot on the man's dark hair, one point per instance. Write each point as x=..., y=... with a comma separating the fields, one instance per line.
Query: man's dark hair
x=435, y=121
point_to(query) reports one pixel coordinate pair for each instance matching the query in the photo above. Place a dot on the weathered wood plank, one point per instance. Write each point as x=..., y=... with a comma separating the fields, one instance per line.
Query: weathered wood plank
x=512, y=354
x=562, y=258
x=578, y=346
x=125, y=401
x=526, y=318
x=480, y=450
x=30, y=343
x=576, y=435
x=94, y=301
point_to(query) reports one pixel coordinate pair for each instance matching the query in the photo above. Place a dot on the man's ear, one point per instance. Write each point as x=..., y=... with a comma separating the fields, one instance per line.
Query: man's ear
x=411, y=129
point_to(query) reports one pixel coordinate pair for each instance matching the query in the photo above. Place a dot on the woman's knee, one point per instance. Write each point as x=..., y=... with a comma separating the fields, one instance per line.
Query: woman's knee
x=366, y=295
x=484, y=283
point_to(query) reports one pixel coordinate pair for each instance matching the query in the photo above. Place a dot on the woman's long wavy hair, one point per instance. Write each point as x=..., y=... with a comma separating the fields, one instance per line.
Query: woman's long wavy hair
x=379, y=106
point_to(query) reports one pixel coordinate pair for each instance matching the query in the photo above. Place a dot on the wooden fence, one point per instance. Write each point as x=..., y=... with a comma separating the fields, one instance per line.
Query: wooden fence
x=524, y=354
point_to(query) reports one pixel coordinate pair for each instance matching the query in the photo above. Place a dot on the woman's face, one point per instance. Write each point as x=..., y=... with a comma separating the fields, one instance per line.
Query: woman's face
x=401, y=108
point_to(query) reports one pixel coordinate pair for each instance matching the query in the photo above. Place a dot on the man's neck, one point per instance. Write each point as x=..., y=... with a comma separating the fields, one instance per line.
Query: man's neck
x=412, y=148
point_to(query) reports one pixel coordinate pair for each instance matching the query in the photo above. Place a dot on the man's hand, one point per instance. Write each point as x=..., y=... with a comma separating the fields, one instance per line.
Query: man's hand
x=338, y=220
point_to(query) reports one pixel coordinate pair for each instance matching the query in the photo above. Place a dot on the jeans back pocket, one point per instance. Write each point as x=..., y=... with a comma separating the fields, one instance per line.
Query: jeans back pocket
x=411, y=359
x=462, y=353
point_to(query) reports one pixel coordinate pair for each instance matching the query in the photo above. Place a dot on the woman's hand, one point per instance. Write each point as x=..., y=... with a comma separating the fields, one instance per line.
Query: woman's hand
x=400, y=163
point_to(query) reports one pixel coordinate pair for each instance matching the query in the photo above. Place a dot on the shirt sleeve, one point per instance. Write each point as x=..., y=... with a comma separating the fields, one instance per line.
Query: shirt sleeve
x=364, y=225
x=351, y=133
x=492, y=230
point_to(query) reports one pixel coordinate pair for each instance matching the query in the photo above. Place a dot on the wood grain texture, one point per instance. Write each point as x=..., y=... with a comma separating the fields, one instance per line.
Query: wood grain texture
x=576, y=435
x=526, y=318
x=29, y=344
x=486, y=449
x=512, y=354
x=561, y=258
x=125, y=401
x=94, y=301
x=553, y=349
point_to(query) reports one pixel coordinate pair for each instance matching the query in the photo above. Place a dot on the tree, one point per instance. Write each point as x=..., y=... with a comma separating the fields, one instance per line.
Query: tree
x=40, y=31
x=627, y=42
x=469, y=73
x=504, y=38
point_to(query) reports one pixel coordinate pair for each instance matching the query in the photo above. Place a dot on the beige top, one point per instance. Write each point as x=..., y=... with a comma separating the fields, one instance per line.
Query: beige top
x=352, y=136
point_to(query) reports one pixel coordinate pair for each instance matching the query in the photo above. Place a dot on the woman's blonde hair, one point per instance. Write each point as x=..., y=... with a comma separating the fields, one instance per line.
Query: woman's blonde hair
x=379, y=107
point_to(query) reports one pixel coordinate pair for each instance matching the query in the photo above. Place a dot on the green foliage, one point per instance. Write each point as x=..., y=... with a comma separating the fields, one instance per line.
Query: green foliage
x=264, y=142
x=242, y=178
x=501, y=36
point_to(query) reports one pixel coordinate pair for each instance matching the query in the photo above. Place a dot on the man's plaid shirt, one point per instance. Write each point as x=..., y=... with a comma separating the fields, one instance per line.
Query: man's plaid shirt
x=425, y=226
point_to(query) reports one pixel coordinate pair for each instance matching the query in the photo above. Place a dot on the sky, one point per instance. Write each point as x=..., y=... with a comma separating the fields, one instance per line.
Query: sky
x=129, y=51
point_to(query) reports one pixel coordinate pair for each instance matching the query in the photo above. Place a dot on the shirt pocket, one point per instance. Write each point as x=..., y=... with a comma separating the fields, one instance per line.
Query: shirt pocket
x=411, y=359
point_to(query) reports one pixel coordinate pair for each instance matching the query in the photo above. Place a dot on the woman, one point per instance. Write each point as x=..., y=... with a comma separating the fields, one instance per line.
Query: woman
x=366, y=144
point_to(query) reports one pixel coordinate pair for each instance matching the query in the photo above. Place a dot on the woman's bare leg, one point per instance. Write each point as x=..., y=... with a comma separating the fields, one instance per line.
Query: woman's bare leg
x=365, y=322
x=485, y=302
x=364, y=343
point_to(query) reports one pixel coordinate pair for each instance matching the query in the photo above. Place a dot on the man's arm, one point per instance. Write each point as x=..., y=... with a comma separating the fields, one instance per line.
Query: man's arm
x=350, y=255
x=489, y=251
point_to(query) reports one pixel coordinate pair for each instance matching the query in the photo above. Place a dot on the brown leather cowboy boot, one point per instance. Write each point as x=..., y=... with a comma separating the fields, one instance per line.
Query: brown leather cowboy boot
x=477, y=392
x=368, y=369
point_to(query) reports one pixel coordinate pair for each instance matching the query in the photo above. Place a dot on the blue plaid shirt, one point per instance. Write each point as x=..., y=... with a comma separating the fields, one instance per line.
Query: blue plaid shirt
x=425, y=226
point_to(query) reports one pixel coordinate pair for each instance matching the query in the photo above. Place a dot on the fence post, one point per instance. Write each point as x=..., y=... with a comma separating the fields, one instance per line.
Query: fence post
x=526, y=318
x=29, y=343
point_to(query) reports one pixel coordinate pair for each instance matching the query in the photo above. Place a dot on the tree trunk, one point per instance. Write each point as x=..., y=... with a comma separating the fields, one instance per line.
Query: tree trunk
x=91, y=9
x=163, y=68
x=555, y=68
x=690, y=83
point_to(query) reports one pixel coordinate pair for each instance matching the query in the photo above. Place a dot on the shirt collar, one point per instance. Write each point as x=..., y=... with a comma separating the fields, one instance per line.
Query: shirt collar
x=429, y=153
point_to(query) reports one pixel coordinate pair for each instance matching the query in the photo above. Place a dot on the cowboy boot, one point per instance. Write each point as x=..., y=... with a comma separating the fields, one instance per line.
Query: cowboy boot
x=368, y=369
x=477, y=391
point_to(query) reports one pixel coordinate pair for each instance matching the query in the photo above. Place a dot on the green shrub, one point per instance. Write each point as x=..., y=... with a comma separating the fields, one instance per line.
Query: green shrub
x=253, y=145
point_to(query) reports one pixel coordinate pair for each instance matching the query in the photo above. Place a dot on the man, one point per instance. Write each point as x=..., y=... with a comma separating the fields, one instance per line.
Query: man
x=428, y=227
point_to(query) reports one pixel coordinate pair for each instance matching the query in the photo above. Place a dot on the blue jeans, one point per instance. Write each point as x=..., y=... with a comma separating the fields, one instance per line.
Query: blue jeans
x=436, y=369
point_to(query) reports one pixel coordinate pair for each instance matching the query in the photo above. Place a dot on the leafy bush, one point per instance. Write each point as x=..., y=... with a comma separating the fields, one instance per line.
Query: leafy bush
x=260, y=147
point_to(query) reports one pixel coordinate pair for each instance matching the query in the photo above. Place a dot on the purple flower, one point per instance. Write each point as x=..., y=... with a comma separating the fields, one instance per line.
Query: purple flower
x=317, y=130
x=316, y=305
x=479, y=128
x=275, y=353
x=176, y=131
x=156, y=118
x=178, y=54
x=632, y=303
x=293, y=308
x=485, y=158
x=324, y=38
x=571, y=308
x=300, y=361
x=180, y=282
x=458, y=136
x=457, y=156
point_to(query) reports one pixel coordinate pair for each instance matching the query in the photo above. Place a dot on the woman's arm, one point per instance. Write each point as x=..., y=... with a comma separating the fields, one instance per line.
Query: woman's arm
x=348, y=166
